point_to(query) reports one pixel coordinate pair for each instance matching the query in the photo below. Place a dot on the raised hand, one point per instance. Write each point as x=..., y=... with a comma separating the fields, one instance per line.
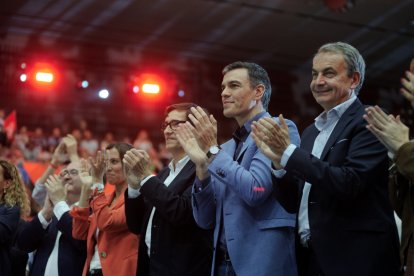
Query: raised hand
x=189, y=143
x=408, y=85
x=85, y=176
x=71, y=147
x=55, y=189
x=205, y=128
x=47, y=210
x=137, y=166
x=271, y=138
x=97, y=166
x=389, y=130
x=59, y=151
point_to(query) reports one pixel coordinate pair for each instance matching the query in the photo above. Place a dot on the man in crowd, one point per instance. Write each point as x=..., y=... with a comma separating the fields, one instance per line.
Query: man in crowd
x=233, y=192
x=159, y=208
x=50, y=232
x=346, y=223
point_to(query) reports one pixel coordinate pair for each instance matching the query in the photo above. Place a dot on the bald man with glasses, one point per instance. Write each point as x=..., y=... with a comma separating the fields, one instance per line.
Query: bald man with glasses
x=50, y=232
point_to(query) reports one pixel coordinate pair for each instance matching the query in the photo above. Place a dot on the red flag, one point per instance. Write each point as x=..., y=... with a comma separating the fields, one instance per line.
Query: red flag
x=10, y=125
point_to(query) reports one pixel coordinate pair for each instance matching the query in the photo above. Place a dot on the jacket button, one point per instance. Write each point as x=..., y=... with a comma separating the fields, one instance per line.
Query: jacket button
x=103, y=254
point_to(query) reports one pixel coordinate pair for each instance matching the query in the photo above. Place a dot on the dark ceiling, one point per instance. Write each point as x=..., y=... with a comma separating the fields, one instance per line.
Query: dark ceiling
x=203, y=35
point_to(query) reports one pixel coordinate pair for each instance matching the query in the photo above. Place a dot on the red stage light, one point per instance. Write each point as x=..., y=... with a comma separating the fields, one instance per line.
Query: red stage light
x=151, y=88
x=44, y=77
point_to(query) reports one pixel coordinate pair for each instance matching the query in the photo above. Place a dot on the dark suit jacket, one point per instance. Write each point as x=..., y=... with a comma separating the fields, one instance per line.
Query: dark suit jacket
x=9, y=219
x=72, y=253
x=178, y=246
x=352, y=225
x=402, y=194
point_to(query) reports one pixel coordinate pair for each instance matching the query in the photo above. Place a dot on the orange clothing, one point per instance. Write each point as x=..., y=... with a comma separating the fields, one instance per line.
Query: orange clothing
x=118, y=248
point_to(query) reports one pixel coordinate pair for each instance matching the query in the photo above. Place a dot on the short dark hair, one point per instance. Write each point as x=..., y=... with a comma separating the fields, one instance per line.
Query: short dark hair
x=257, y=75
x=182, y=107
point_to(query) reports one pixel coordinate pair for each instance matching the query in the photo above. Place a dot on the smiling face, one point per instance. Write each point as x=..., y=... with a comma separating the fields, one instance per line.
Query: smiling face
x=70, y=178
x=331, y=85
x=240, y=99
x=114, y=170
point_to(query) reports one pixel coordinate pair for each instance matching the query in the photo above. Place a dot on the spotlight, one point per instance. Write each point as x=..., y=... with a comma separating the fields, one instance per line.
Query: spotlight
x=84, y=84
x=181, y=93
x=23, y=77
x=103, y=94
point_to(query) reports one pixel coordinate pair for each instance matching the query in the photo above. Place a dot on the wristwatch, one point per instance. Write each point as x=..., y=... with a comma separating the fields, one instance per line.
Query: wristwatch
x=213, y=151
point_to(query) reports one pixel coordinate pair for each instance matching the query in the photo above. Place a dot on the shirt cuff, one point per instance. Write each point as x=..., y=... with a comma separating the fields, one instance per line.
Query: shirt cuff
x=278, y=173
x=199, y=185
x=60, y=208
x=43, y=221
x=286, y=154
x=98, y=186
x=132, y=192
x=391, y=155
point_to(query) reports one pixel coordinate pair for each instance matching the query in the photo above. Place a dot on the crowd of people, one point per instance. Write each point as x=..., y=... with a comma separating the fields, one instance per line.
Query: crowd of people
x=266, y=202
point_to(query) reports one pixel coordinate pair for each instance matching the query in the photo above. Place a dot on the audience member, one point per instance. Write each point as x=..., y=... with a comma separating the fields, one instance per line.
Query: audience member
x=394, y=135
x=67, y=150
x=233, y=191
x=159, y=208
x=346, y=223
x=13, y=205
x=111, y=248
x=49, y=233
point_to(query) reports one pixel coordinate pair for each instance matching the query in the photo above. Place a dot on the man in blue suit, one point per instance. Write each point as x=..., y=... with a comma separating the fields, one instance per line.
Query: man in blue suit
x=50, y=232
x=345, y=221
x=233, y=192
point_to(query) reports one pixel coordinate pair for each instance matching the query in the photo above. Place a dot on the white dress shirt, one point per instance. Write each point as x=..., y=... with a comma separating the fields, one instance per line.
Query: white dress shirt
x=325, y=123
x=133, y=193
x=52, y=263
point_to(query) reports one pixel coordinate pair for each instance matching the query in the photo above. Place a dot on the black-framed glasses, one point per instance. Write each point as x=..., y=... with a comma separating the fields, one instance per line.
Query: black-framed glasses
x=72, y=172
x=173, y=124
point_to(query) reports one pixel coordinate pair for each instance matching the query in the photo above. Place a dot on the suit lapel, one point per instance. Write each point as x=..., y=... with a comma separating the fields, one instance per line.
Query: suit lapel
x=308, y=138
x=249, y=141
x=345, y=119
x=183, y=177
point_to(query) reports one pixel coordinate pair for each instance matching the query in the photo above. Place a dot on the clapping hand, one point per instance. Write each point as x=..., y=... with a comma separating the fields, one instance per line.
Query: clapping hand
x=271, y=138
x=186, y=138
x=389, y=130
x=137, y=166
x=97, y=166
x=85, y=176
x=55, y=189
x=204, y=128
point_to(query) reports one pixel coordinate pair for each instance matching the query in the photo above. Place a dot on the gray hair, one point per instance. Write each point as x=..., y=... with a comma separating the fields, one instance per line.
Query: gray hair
x=257, y=75
x=354, y=61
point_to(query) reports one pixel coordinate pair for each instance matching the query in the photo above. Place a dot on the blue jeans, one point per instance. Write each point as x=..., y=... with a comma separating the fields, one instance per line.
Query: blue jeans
x=225, y=268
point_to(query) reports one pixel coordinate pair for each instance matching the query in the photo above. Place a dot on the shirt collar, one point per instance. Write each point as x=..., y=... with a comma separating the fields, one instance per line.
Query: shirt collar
x=242, y=133
x=335, y=112
x=180, y=164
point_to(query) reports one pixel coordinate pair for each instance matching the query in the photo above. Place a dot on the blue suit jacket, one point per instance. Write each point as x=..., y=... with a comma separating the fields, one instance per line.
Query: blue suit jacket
x=72, y=253
x=351, y=220
x=259, y=231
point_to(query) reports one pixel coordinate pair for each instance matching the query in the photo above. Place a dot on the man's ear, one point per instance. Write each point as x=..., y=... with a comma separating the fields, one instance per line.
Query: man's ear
x=259, y=91
x=356, y=78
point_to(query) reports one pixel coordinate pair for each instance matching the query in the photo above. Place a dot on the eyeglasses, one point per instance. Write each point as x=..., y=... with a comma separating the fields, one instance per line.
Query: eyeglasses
x=173, y=124
x=72, y=172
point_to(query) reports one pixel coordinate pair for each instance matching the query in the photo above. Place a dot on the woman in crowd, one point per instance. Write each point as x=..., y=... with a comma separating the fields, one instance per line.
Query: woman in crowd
x=111, y=248
x=13, y=204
